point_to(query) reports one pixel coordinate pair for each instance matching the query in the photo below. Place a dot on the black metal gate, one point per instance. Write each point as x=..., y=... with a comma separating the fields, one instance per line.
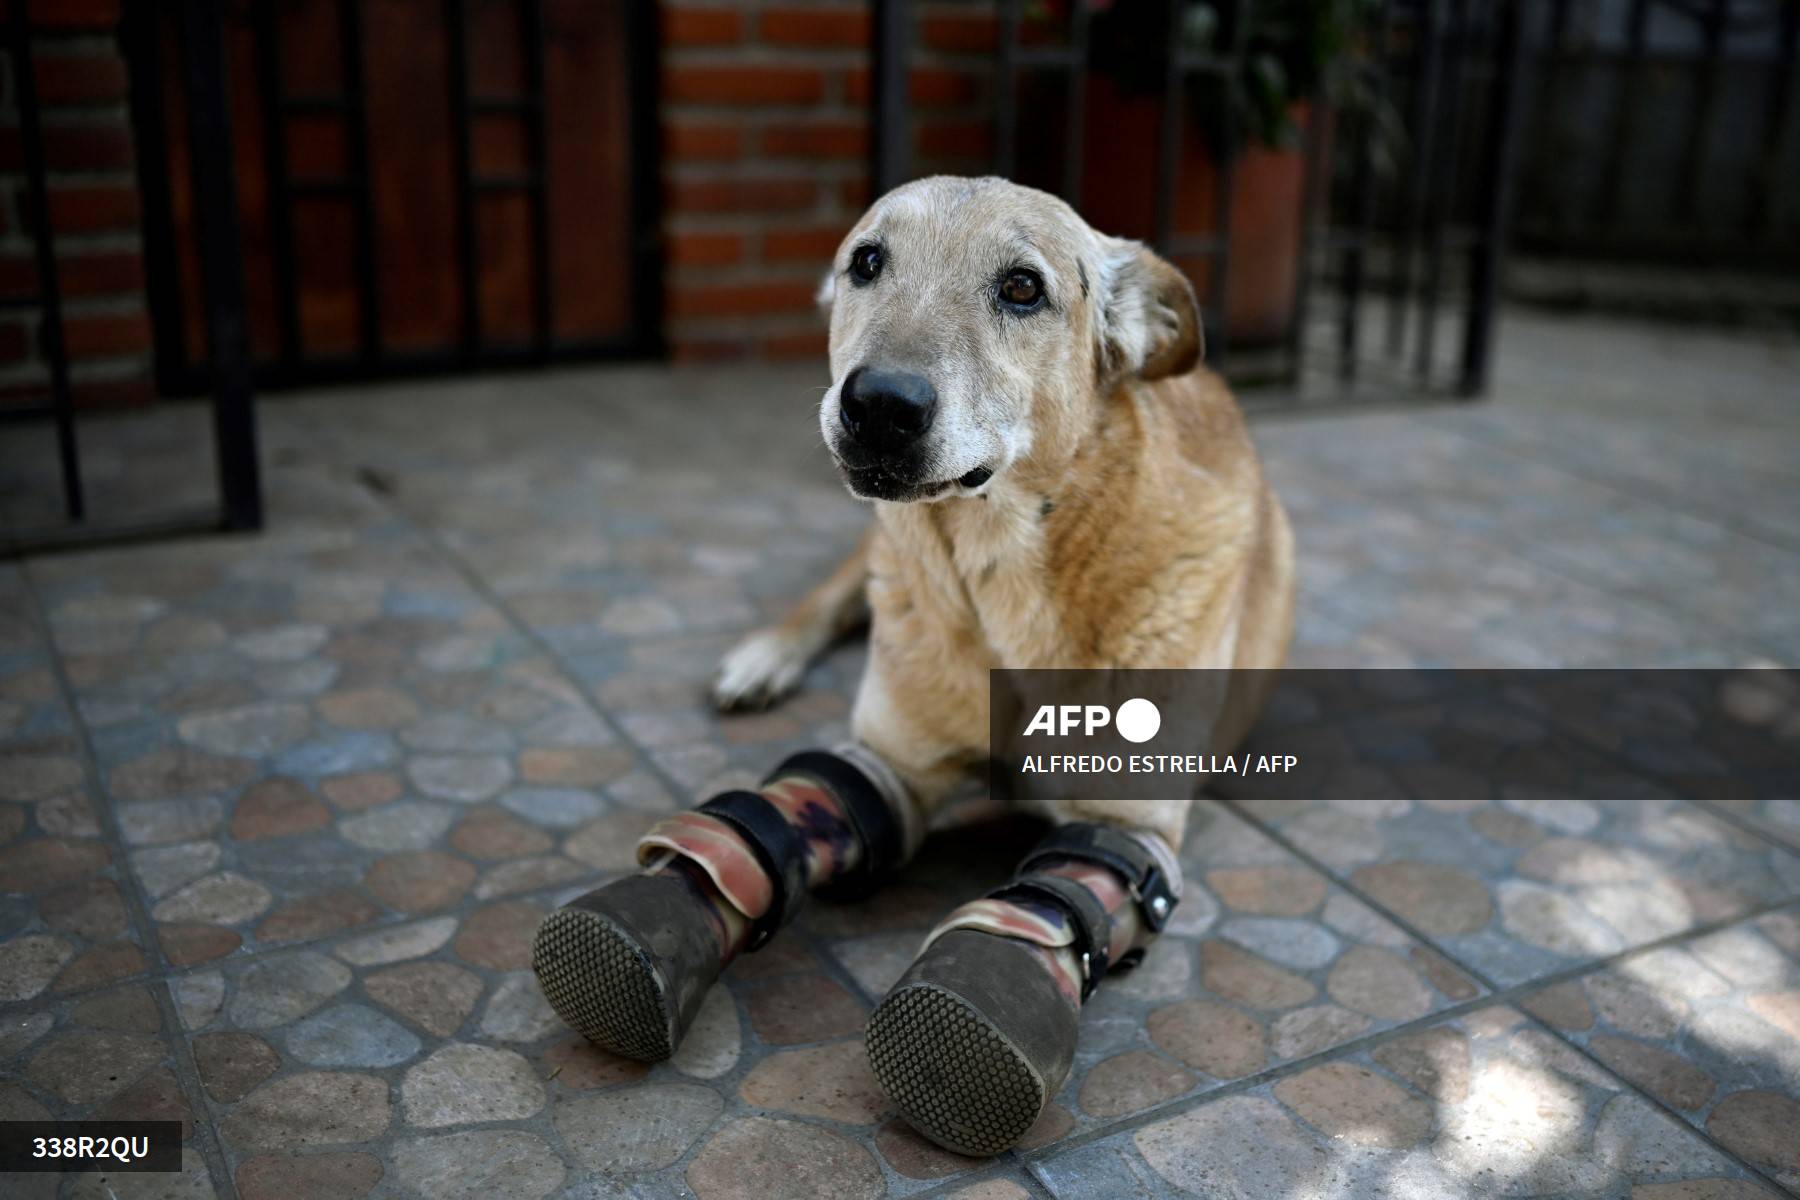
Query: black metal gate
x=239, y=502
x=1418, y=220
x=1666, y=130
x=283, y=192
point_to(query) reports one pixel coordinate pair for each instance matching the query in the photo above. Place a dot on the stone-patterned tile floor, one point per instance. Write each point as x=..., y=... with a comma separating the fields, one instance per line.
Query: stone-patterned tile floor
x=279, y=814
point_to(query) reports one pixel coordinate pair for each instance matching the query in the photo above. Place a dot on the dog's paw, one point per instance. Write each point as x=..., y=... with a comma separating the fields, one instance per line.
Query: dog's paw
x=759, y=671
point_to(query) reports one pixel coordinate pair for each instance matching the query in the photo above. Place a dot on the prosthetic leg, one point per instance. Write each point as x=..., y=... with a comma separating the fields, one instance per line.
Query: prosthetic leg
x=979, y=1033
x=628, y=964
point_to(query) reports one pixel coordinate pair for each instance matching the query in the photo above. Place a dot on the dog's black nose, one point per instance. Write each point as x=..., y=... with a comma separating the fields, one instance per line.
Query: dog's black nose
x=886, y=410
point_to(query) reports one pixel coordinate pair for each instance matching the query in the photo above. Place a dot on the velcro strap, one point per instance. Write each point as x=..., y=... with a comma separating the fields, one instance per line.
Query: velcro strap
x=776, y=846
x=877, y=830
x=1092, y=925
x=1118, y=851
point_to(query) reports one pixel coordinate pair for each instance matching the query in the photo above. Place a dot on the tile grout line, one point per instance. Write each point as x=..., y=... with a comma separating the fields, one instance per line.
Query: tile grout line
x=434, y=541
x=1647, y=604
x=181, y=1050
x=1274, y=1074
x=1518, y=448
x=1745, y=824
x=430, y=535
x=1553, y=979
x=1657, y=1103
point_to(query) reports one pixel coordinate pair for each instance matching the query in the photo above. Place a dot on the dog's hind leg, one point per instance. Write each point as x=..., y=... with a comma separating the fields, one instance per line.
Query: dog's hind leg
x=768, y=664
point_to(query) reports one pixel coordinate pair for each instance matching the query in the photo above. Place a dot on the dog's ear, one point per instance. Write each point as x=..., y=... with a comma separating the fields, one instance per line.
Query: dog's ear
x=827, y=291
x=1149, y=321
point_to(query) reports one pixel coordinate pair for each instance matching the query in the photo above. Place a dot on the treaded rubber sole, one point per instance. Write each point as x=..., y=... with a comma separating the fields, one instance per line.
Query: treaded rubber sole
x=959, y=1080
x=599, y=981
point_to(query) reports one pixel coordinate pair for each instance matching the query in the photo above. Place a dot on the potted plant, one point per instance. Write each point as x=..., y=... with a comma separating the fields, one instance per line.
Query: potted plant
x=1296, y=67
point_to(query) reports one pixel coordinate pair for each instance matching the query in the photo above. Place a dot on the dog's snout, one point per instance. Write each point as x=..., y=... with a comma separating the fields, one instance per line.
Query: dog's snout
x=886, y=410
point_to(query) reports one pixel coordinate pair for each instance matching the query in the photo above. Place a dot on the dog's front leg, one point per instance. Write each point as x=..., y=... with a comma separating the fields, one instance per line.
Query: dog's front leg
x=767, y=664
x=980, y=1031
x=628, y=963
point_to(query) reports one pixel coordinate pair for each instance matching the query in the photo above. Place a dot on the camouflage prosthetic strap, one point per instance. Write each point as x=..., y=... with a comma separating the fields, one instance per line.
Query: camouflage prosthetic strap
x=1090, y=896
x=818, y=823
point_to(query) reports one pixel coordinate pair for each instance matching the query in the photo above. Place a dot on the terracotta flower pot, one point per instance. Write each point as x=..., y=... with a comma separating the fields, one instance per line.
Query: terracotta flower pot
x=1119, y=196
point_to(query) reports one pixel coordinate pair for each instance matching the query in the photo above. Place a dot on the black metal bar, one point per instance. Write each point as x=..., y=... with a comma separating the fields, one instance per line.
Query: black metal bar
x=1311, y=169
x=891, y=162
x=331, y=188
x=215, y=205
x=356, y=118
x=1006, y=92
x=1441, y=199
x=644, y=46
x=1426, y=79
x=1548, y=163
x=1701, y=120
x=1362, y=213
x=508, y=183
x=140, y=32
x=1225, y=156
x=1622, y=131
x=504, y=106
x=1168, y=146
x=456, y=21
x=265, y=28
x=1502, y=147
x=536, y=87
x=49, y=284
x=1075, y=114
x=1765, y=206
x=315, y=106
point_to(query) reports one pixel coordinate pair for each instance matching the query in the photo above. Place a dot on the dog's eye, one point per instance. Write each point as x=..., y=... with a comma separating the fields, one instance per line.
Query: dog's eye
x=1022, y=289
x=865, y=264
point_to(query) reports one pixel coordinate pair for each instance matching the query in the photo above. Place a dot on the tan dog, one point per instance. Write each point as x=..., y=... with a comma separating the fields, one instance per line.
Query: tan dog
x=1055, y=481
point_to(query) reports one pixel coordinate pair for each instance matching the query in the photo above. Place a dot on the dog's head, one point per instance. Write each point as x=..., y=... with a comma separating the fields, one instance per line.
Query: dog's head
x=975, y=323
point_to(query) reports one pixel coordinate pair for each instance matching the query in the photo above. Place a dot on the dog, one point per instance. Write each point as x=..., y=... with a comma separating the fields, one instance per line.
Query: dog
x=1056, y=482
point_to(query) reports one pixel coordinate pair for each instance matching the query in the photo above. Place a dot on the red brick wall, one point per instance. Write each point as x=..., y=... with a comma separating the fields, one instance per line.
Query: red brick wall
x=765, y=124
x=765, y=117
x=81, y=85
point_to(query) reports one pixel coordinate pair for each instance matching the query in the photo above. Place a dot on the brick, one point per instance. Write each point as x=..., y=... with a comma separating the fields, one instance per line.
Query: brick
x=701, y=26
x=810, y=344
x=705, y=249
x=928, y=87
x=70, y=14
x=956, y=139
x=708, y=349
x=78, y=275
x=815, y=27
x=13, y=343
x=739, y=299
x=702, y=141
x=819, y=139
x=98, y=335
x=94, y=208
x=960, y=31
x=740, y=195
x=811, y=245
x=855, y=193
x=133, y=391
x=743, y=85
x=80, y=78
x=89, y=146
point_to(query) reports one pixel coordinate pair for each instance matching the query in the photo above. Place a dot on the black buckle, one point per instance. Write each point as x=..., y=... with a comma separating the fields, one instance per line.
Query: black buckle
x=1092, y=925
x=1088, y=841
x=778, y=849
